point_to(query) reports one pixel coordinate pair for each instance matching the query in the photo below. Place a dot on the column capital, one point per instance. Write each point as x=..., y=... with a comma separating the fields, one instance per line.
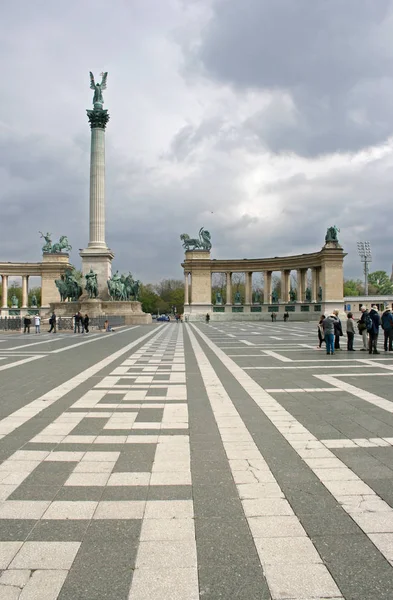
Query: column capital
x=98, y=118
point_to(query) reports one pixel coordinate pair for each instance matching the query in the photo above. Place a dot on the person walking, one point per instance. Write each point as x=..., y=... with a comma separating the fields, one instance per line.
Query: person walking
x=362, y=328
x=338, y=330
x=86, y=323
x=373, y=330
x=77, y=322
x=387, y=326
x=52, y=323
x=321, y=332
x=328, y=328
x=207, y=318
x=27, y=324
x=37, y=323
x=350, y=332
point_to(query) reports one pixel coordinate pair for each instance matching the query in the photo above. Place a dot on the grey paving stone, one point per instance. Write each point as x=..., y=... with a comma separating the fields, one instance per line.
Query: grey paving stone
x=136, y=457
x=90, y=426
x=152, y=415
x=119, y=493
x=344, y=561
x=15, y=529
x=170, y=492
x=80, y=493
x=243, y=582
x=59, y=531
x=48, y=473
x=107, y=554
x=34, y=492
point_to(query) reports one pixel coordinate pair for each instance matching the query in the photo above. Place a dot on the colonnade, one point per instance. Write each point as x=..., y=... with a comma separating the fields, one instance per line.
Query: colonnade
x=25, y=292
x=318, y=288
x=285, y=288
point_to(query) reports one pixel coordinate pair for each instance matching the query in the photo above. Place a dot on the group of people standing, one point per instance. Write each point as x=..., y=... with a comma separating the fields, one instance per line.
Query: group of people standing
x=81, y=322
x=330, y=330
x=27, y=323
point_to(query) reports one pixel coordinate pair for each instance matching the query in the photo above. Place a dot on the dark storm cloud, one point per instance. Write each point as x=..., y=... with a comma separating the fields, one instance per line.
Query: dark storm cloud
x=333, y=58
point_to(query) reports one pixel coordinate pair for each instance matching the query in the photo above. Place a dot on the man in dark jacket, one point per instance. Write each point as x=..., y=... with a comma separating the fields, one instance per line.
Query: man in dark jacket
x=387, y=326
x=374, y=331
x=52, y=323
x=26, y=323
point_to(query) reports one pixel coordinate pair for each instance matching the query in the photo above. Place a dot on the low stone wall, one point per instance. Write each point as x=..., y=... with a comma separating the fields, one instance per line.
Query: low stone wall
x=131, y=311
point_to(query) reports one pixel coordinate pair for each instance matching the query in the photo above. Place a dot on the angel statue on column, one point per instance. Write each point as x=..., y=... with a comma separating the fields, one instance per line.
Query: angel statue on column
x=98, y=98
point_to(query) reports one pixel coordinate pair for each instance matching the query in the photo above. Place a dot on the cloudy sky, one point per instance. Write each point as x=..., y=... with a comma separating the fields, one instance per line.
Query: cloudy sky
x=265, y=121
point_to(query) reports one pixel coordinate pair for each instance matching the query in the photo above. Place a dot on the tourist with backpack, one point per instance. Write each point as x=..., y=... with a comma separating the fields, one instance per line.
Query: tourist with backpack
x=373, y=321
x=362, y=328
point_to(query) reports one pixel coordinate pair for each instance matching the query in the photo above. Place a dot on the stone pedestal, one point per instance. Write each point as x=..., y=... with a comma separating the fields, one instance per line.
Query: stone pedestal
x=131, y=311
x=53, y=267
x=101, y=262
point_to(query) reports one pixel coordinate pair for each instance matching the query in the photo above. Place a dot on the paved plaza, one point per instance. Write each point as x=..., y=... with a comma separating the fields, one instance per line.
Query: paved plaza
x=194, y=462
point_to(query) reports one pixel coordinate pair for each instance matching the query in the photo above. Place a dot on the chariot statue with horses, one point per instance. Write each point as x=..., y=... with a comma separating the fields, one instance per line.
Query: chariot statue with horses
x=331, y=234
x=62, y=244
x=201, y=243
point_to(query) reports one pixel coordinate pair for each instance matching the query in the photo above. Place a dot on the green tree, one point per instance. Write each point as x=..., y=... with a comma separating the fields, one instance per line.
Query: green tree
x=353, y=287
x=171, y=292
x=149, y=299
x=380, y=282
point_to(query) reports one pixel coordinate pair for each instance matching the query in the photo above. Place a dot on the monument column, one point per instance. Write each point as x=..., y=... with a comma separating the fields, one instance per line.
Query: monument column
x=25, y=281
x=97, y=255
x=229, y=288
x=4, y=300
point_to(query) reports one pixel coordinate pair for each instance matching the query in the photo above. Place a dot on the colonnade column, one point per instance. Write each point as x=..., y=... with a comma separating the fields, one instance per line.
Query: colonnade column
x=300, y=285
x=25, y=282
x=229, y=288
x=267, y=285
x=4, y=281
x=186, y=299
x=314, y=284
x=248, y=287
x=285, y=285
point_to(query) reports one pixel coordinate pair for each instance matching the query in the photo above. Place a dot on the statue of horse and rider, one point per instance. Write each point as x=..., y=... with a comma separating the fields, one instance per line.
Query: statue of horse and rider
x=201, y=243
x=91, y=286
x=123, y=287
x=69, y=286
x=62, y=244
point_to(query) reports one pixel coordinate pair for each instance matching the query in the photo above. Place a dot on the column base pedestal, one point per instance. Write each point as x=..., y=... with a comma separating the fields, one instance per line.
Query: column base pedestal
x=100, y=260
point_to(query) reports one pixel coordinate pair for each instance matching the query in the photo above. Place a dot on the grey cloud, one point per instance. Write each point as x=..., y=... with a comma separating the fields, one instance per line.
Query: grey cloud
x=333, y=58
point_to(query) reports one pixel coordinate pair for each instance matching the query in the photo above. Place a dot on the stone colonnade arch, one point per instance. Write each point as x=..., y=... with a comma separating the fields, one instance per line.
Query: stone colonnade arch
x=324, y=294
x=51, y=268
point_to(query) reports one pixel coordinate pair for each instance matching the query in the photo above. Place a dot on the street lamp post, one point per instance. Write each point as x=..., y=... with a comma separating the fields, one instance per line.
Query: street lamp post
x=364, y=251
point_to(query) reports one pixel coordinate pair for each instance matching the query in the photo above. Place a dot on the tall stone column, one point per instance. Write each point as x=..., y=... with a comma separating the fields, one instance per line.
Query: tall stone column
x=4, y=300
x=186, y=300
x=314, y=285
x=25, y=282
x=97, y=255
x=248, y=287
x=300, y=285
x=229, y=288
x=285, y=285
x=267, y=287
